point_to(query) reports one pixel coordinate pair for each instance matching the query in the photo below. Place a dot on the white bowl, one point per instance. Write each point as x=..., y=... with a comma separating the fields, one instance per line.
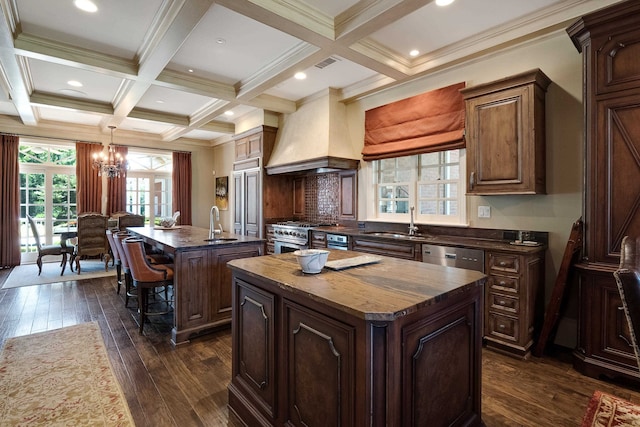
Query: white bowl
x=311, y=260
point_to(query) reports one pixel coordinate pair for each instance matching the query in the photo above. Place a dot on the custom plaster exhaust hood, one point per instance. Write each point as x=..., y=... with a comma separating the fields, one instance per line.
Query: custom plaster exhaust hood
x=314, y=139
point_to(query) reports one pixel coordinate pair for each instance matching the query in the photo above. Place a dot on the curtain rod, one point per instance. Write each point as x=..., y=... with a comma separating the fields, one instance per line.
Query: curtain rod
x=47, y=137
x=89, y=142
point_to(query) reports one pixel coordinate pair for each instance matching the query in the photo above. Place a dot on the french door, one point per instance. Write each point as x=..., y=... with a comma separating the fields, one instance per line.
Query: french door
x=48, y=194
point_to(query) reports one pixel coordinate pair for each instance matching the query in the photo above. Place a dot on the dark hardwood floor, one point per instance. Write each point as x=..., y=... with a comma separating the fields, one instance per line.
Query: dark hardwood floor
x=187, y=386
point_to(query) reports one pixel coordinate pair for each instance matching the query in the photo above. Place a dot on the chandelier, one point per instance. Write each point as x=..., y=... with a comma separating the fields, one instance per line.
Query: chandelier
x=113, y=164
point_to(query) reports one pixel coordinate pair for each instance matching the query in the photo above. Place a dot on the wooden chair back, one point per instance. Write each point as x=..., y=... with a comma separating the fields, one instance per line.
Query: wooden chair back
x=628, y=280
x=92, y=238
x=130, y=220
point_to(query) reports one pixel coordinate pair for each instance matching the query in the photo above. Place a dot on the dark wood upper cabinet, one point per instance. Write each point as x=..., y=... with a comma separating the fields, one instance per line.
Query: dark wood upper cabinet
x=505, y=132
x=348, y=195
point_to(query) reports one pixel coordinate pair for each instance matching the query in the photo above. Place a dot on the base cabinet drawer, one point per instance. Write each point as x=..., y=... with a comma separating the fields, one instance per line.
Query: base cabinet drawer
x=505, y=303
x=504, y=327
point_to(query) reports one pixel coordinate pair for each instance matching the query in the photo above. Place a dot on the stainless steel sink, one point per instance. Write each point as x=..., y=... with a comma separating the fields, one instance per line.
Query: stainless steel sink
x=221, y=239
x=397, y=235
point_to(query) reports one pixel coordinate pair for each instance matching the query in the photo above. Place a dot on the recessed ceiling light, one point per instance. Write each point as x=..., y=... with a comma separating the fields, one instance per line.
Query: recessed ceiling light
x=300, y=75
x=190, y=70
x=221, y=41
x=86, y=5
x=228, y=113
x=444, y=2
x=160, y=101
x=74, y=83
x=414, y=52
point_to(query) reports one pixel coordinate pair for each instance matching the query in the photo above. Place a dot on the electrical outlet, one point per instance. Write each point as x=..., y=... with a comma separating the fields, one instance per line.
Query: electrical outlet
x=484, y=211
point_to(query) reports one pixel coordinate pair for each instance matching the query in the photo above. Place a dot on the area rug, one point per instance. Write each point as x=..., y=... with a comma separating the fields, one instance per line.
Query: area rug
x=60, y=378
x=606, y=410
x=27, y=274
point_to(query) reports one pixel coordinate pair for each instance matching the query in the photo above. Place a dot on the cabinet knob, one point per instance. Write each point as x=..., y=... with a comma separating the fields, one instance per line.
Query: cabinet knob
x=501, y=326
x=502, y=283
x=502, y=263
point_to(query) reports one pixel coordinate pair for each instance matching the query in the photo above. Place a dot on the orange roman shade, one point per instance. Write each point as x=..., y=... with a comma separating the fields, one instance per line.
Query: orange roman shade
x=432, y=121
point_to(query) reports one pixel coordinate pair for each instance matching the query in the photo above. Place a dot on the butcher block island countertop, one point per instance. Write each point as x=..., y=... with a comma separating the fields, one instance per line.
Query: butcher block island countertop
x=392, y=343
x=202, y=283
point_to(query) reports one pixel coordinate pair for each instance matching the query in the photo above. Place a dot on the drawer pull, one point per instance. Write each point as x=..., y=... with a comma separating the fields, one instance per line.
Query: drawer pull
x=501, y=302
x=501, y=326
x=503, y=263
x=502, y=283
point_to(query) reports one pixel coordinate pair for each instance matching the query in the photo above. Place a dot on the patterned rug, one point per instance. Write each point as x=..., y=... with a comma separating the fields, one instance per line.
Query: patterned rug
x=60, y=378
x=607, y=410
x=27, y=274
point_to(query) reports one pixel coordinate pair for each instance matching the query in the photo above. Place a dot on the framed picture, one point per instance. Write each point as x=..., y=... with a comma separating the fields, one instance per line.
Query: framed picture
x=222, y=192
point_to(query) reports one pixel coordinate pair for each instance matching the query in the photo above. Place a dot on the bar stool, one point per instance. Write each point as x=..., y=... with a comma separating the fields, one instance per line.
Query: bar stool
x=146, y=276
x=116, y=258
x=124, y=261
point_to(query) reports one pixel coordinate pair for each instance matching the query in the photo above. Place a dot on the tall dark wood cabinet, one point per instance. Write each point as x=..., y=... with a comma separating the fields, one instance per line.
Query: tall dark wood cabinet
x=257, y=197
x=609, y=40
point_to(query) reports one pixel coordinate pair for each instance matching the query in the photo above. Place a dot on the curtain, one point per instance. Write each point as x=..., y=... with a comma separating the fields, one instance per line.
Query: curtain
x=9, y=202
x=432, y=121
x=88, y=183
x=117, y=188
x=181, y=182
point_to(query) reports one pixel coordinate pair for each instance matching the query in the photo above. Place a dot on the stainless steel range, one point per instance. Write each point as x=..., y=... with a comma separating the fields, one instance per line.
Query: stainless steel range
x=289, y=236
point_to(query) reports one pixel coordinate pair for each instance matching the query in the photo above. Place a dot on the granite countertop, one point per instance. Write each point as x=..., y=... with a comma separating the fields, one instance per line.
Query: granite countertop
x=373, y=292
x=189, y=237
x=436, y=239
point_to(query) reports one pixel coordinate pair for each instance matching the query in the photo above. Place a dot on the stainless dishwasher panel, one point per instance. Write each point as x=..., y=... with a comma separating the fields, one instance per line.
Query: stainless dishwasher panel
x=470, y=259
x=337, y=241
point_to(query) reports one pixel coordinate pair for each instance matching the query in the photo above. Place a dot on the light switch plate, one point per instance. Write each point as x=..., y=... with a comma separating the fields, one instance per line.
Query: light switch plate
x=484, y=211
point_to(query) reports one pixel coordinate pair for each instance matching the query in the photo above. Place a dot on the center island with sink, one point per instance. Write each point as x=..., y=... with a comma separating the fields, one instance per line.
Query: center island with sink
x=389, y=343
x=202, y=283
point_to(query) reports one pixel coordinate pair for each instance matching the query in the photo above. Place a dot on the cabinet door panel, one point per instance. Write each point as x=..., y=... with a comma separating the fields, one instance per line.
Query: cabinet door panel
x=254, y=351
x=320, y=374
x=497, y=131
x=221, y=289
x=617, y=62
x=616, y=198
x=446, y=341
x=252, y=203
x=193, y=300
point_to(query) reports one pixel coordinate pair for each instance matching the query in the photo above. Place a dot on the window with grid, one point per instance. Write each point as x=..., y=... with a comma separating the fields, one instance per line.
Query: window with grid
x=149, y=185
x=432, y=183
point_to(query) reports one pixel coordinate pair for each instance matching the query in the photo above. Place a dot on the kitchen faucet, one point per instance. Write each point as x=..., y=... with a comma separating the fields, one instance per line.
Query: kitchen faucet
x=412, y=227
x=212, y=222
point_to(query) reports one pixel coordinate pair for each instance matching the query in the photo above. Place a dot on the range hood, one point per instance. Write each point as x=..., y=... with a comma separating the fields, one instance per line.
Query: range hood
x=314, y=139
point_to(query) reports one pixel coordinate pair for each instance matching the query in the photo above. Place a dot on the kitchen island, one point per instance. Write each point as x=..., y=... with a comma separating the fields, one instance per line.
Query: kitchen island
x=390, y=343
x=202, y=283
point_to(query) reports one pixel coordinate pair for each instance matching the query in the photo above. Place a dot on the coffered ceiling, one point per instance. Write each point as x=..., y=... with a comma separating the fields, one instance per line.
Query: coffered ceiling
x=172, y=68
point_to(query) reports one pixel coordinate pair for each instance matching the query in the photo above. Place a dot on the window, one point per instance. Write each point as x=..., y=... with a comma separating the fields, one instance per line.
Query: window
x=432, y=183
x=47, y=191
x=149, y=185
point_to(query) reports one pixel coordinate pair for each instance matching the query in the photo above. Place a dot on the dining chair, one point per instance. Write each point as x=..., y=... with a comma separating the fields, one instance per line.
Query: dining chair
x=146, y=276
x=92, y=239
x=44, y=250
x=130, y=220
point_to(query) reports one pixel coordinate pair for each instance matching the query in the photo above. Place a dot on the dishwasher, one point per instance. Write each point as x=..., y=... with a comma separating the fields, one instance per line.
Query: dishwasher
x=470, y=259
x=337, y=241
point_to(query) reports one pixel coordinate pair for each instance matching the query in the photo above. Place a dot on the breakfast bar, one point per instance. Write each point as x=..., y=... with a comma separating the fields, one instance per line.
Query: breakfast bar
x=392, y=342
x=202, y=283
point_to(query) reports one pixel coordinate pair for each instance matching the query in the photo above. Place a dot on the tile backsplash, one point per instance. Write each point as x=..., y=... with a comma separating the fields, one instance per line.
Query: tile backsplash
x=321, y=201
